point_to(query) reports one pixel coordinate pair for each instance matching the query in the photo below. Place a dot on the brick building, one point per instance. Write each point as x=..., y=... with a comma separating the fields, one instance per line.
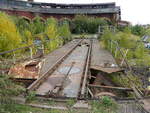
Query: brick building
x=30, y=9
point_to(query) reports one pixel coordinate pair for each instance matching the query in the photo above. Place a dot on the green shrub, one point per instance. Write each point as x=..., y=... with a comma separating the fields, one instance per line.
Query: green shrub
x=85, y=24
x=52, y=33
x=31, y=96
x=105, y=105
x=64, y=32
x=106, y=101
x=138, y=30
x=126, y=40
x=51, y=30
x=39, y=25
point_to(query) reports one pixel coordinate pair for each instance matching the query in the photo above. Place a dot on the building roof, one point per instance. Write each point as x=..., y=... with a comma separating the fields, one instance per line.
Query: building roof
x=112, y=4
x=52, y=8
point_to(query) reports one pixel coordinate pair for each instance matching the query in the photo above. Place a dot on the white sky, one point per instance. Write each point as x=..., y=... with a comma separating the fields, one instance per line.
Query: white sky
x=135, y=11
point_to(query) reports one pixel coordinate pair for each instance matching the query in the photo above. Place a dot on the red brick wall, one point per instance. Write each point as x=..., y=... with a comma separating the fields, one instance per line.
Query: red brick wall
x=31, y=15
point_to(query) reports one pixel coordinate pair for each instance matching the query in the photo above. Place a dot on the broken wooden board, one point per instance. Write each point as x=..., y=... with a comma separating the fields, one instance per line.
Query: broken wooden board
x=105, y=69
x=102, y=60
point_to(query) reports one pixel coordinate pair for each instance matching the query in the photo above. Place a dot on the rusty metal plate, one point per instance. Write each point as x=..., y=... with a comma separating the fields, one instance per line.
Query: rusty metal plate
x=26, y=70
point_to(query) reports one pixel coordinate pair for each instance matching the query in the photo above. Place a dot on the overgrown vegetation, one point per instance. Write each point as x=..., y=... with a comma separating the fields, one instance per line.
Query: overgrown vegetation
x=10, y=37
x=105, y=105
x=8, y=89
x=31, y=96
x=122, y=80
x=84, y=24
x=138, y=30
x=71, y=102
x=18, y=32
x=137, y=54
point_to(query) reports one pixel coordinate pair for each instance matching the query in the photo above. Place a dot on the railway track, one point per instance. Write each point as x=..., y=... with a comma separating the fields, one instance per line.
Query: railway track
x=68, y=76
x=67, y=71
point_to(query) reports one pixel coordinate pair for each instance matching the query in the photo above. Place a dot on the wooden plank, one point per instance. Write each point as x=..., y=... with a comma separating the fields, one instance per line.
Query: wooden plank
x=110, y=87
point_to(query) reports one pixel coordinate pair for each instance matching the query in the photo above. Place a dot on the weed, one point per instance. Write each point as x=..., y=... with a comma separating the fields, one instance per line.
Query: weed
x=71, y=102
x=105, y=105
x=51, y=102
x=31, y=96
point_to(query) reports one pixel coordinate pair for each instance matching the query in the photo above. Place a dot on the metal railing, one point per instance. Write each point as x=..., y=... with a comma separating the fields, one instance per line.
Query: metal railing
x=23, y=53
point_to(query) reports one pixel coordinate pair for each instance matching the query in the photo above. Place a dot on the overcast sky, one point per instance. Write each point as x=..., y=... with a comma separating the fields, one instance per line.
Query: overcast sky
x=135, y=11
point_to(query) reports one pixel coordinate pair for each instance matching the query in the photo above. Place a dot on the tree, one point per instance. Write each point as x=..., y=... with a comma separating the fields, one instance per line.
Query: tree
x=52, y=34
x=138, y=30
x=51, y=29
x=39, y=25
x=64, y=32
x=85, y=24
x=10, y=38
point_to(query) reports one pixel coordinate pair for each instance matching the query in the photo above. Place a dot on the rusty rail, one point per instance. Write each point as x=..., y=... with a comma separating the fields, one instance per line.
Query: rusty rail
x=35, y=84
x=58, y=88
x=83, y=88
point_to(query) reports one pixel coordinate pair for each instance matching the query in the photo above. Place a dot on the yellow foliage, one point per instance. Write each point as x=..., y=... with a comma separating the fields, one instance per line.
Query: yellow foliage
x=51, y=31
x=9, y=35
x=28, y=37
x=52, y=34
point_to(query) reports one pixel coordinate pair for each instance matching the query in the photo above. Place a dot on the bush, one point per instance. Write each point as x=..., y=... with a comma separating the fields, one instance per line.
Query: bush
x=52, y=35
x=28, y=38
x=126, y=40
x=107, y=101
x=23, y=24
x=39, y=25
x=31, y=96
x=10, y=38
x=105, y=105
x=84, y=24
x=51, y=29
x=64, y=32
x=138, y=30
